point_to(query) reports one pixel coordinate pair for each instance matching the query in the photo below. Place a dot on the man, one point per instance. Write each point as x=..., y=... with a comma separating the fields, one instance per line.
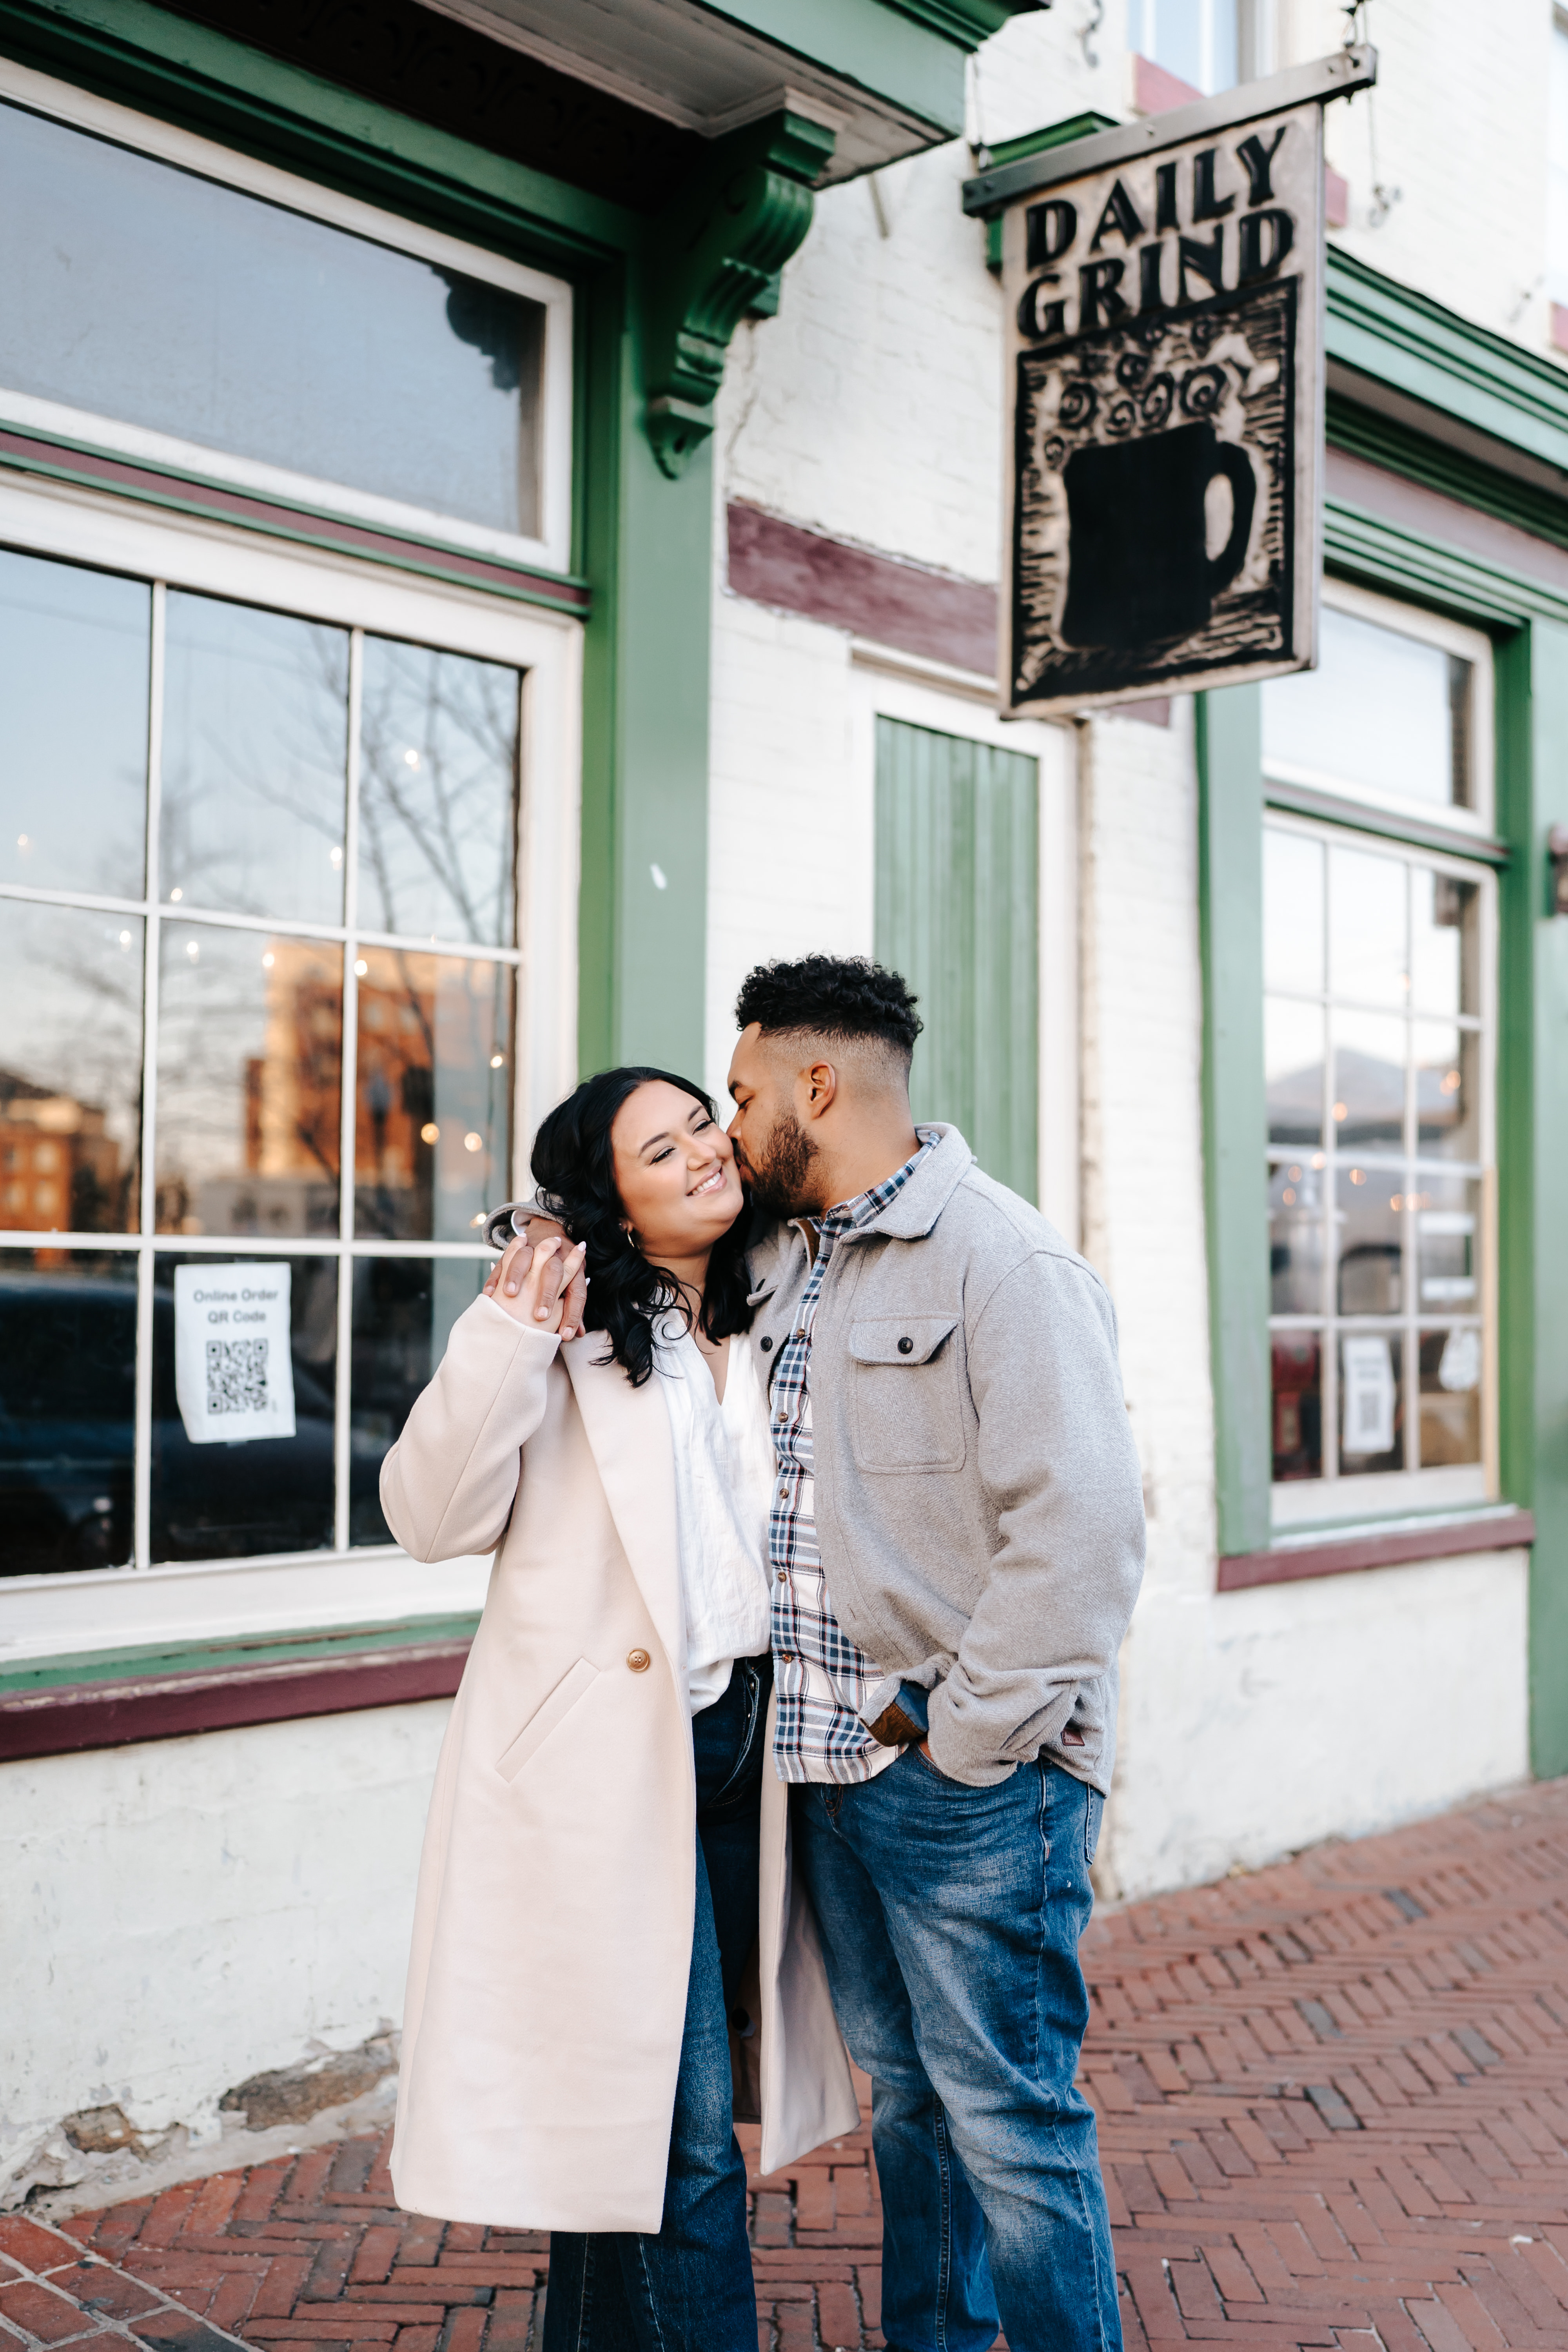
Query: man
x=956, y=1543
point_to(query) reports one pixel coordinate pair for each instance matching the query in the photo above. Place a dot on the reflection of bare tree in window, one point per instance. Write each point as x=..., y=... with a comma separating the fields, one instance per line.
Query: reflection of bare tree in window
x=255, y=752
x=70, y=979
x=438, y=794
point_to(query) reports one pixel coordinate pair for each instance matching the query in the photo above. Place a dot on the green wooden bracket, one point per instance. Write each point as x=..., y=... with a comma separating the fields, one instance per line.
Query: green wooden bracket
x=714, y=254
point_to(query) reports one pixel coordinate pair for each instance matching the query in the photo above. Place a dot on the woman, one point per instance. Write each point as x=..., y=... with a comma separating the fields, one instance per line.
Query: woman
x=588, y=1896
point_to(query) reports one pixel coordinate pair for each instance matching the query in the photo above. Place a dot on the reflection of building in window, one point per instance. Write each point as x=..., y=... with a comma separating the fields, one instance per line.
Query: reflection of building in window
x=59, y=1171
x=284, y=1178
x=1557, y=184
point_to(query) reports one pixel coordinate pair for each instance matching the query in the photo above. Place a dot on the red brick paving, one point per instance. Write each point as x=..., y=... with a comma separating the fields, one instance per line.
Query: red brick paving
x=1333, y=2102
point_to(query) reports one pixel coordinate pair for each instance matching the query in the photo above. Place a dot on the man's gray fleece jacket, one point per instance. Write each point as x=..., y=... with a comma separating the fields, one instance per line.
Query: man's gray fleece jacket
x=979, y=1505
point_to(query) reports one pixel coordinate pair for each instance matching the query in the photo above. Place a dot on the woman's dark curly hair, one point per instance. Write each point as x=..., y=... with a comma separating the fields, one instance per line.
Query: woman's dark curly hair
x=575, y=1166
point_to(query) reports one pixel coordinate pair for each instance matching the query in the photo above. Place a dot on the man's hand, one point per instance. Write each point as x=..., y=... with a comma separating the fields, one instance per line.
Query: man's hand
x=514, y=1265
x=531, y=1284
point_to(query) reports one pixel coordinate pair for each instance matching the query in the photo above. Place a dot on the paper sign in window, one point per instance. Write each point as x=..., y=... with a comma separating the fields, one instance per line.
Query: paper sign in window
x=1369, y=1397
x=232, y=1375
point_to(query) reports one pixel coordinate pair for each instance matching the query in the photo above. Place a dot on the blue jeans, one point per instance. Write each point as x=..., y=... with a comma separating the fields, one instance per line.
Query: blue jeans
x=951, y=1919
x=689, y=2288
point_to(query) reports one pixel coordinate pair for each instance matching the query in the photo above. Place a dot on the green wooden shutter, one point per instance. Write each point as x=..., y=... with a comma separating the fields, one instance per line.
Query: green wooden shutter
x=957, y=913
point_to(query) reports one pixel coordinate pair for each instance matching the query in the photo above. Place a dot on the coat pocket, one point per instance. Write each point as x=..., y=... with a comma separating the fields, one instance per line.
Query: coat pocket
x=908, y=1415
x=544, y=1720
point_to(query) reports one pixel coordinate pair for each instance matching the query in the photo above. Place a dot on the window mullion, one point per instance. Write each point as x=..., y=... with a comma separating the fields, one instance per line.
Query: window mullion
x=142, y=1506
x=349, y=1064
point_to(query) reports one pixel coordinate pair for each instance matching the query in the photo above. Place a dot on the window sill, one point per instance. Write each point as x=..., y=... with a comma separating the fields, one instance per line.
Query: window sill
x=1391, y=1544
x=122, y=1697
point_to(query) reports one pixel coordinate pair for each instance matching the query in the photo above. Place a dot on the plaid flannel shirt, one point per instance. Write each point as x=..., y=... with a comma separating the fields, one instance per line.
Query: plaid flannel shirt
x=821, y=1679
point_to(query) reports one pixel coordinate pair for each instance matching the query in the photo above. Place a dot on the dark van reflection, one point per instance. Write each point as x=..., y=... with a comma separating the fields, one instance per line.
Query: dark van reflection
x=68, y=1394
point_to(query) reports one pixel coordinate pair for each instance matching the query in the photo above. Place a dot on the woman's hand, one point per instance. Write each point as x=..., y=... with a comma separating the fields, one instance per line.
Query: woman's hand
x=514, y=1264
x=531, y=1283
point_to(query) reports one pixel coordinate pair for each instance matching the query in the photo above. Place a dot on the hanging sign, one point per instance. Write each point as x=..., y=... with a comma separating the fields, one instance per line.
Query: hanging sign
x=234, y=1378
x=1164, y=293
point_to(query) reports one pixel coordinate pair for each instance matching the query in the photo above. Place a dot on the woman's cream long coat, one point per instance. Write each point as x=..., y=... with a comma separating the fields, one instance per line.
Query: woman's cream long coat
x=552, y=1925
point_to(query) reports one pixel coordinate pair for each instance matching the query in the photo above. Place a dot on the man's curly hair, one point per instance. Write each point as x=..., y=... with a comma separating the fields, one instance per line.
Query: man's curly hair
x=835, y=997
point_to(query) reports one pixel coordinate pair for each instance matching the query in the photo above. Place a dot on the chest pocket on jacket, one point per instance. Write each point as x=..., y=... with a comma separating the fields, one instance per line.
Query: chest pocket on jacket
x=904, y=1400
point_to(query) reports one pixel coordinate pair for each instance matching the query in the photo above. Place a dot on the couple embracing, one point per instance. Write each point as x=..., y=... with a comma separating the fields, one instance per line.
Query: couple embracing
x=817, y=1524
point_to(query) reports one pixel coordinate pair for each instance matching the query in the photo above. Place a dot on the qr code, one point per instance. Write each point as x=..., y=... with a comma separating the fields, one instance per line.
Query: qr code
x=236, y=1375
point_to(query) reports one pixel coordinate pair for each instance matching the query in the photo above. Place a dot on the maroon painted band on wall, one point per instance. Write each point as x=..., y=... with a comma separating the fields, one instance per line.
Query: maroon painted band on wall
x=71, y=1716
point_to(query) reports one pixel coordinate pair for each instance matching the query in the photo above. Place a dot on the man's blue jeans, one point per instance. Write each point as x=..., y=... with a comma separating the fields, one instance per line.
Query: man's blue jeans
x=689, y=2288
x=951, y=1919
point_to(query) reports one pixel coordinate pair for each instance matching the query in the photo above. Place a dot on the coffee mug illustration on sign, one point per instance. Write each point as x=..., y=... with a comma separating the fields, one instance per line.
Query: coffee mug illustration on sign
x=1138, y=564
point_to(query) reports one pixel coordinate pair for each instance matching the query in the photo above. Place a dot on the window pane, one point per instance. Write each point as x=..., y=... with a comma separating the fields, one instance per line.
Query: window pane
x=1298, y=1405
x=433, y=1118
x=1369, y=1082
x=67, y=1399
x=1367, y=946
x=273, y=1494
x=1293, y=1069
x=403, y=1310
x=1296, y=1239
x=1447, y=1243
x=255, y=739
x=1369, y=1218
x=74, y=653
x=437, y=795
x=70, y=1089
x=1292, y=912
x=177, y=303
x=1450, y=1397
x=1447, y=1080
x=1371, y=1404
x=1382, y=713
x=1444, y=943
x=249, y=1071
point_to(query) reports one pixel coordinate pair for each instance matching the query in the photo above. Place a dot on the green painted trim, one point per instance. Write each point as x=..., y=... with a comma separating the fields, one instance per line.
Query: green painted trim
x=890, y=51
x=1230, y=919
x=1463, y=373
x=1338, y=808
x=188, y=73
x=647, y=547
x=324, y=1646
x=723, y=244
x=1533, y=1121
x=429, y=559
x=1363, y=546
x=969, y=22
x=1397, y=449
x=1035, y=142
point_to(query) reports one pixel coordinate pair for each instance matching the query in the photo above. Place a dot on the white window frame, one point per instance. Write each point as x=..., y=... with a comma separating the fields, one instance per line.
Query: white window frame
x=1305, y=1502
x=1451, y=636
x=104, y=1609
x=552, y=549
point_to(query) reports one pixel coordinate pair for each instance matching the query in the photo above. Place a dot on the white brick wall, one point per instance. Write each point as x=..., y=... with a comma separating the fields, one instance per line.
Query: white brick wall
x=1258, y=1721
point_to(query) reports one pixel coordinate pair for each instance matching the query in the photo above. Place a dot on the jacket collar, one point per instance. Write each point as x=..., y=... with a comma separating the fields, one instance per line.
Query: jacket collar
x=907, y=1217
x=917, y=1204
x=629, y=1434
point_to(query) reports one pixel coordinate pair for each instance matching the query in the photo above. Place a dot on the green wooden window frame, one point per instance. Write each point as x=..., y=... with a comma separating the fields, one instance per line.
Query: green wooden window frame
x=1529, y=625
x=957, y=912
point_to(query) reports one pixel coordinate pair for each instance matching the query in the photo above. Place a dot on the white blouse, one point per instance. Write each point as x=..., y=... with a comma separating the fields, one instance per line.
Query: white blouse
x=724, y=1488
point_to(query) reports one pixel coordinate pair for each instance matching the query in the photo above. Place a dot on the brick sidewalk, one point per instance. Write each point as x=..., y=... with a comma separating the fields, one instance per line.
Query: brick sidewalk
x=1333, y=2101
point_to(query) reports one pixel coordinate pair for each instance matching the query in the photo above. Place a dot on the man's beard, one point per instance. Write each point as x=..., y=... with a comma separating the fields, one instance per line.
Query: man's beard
x=778, y=1180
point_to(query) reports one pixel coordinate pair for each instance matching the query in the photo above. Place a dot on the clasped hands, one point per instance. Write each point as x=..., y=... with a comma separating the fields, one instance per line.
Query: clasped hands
x=540, y=1281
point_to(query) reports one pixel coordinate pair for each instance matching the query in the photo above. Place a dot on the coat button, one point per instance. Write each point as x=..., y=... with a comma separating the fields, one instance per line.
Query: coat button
x=767, y=1345
x=906, y=1347
x=638, y=1661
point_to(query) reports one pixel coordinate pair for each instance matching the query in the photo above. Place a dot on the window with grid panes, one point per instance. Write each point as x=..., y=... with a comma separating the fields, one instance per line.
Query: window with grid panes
x=1379, y=974
x=258, y=959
